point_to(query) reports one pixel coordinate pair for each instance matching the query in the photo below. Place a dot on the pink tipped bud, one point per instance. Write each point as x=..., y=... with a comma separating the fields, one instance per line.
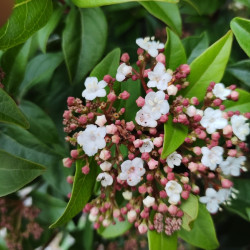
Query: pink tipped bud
x=142, y=228
x=163, y=194
x=85, y=169
x=142, y=189
x=67, y=114
x=161, y=58
x=74, y=153
x=131, y=156
x=111, y=129
x=91, y=115
x=227, y=130
x=140, y=51
x=70, y=101
x=140, y=102
x=145, y=73
x=153, y=164
x=83, y=119
x=105, y=154
x=234, y=95
x=171, y=176
x=67, y=162
x=164, y=181
x=185, y=195
x=192, y=166
x=70, y=179
x=197, y=150
x=138, y=143
x=150, y=177
x=145, y=156
x=124, y=95
x=132, y=216
x=112, y=96
x=180, y=213
x=163, y=118
x=115, y=139
x=232, y=152
x=172, y=210
x=184, y=68
x=107, y=78
x=125, y=57
x=226, y=183
x=158, y=141
x=216, y=136
x=162, y=208
x=134, y=77
x=130, y=126
x=217, y=102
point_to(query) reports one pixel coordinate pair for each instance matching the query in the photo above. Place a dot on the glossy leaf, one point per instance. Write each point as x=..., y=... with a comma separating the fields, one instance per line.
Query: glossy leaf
x=116, y=230
x=190, y=208
x=203, y=233
x=9, y=112
x=82, y=190
x=174, y=136
x=22, y=24
x=174, y=51
x=82, y=50
x=16, y=172
x=243, y=104
x=241, y=30
x=166, y=12
x=13, y=63
x=40, y=69
x=240, y=71
x=195, y=45
x=96, y=3
x=209, y=66
x=44, y=33
x=161, y=241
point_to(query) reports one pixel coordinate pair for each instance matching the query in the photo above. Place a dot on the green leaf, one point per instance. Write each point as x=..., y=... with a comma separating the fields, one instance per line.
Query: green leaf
x=241, y=205
x=81, y=50
x=9, y=112
x=241, y=30
x=116, y=230
x=167, y=13
x=16, y=172
x=44, y=33
x=190, y=208
x=203, y=233
x=96, y=3
x=82, y=190
x=160, y=241
x=174, y=136
x=27, y=17
x=174, y=51
x=40, y=69
x=240, y=71
x=209, y=66
x=195, y=45
x=13, y=63
x=243, y=104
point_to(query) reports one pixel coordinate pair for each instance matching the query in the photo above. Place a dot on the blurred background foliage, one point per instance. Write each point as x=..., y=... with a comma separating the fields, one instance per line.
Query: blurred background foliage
x=49, y=63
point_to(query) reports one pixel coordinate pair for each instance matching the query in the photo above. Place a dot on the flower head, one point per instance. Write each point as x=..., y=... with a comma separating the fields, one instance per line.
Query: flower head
x=94, y=88
x=132, y=171
x=106, y=179
x=173, y=190
x=213, y=120
x=92, y=139
x=147, y=146
x=151, y=47
x=220, y=91
x=232, y=165
x=156, y=104
x=212, y=200
x=174, y=159
x=240, y=127
x=159, y=78
x=212, y=157
x=123, y=71
x=145, y=119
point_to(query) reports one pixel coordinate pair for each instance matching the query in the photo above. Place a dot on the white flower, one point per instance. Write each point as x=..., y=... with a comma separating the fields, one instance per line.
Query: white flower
x=191, y=111
x=213, y=120
x=224, y=194
x=212, y=199
x=149, y=201
x=147, y=146
x=220, y=91
x=145, y=119
x=93, y=88
x=173, y=190
x=106, y=166
x=174, y=159
x=101, y=120
x=106, y=179
x=212, y=157
x=240, y=127
x=199, y=112
x=172, y=90
x=92, y=217
x=150, y=46
x=123, y=71
x=232, y=165
x=132, y=171
x=159, y=78
x=156, y=104
x=127, y=195
x=92, y=139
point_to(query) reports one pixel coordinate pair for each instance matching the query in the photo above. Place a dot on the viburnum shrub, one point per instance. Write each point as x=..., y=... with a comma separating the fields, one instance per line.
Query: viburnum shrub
x=174, y=149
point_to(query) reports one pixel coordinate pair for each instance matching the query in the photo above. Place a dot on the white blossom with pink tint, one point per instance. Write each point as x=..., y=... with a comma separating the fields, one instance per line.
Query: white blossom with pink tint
x=240, y=127
x=172, y=90
x=105, y=166
x=156, y=104
x=92, y=139
x=147, y=146
x=149, y=201
x=174, y=159
x=191, y=111
x=212, y=157
x=101, y=120
x=105, y=179
x=150, y=45
x=232, y=165
x=123, y=71
x=93, y=88
x=212, y=120
x=111, y=129
x=131, y=216
x=132, y=171
x=173, y=190
x=127, y=195
x=145, y=119
x=159, y=78
x=220, y=91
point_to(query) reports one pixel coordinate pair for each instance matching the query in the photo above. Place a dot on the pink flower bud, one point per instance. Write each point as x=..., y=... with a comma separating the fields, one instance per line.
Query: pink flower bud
x=140, y=101
x=142, y=189
x=111, y=129
x=192, y=166
x=83, y=119
x=85, y=169
x=153, y=164
x=197, y=150
x=227, y=130
x=196, y=189
x=215, y=136
x=91, y=115
x=153, y=131
x=73, y=126
x=197, y=118
x=67, y=114
x=217, y=102
x=96, y=225
x=172, y=90
x=115, y=139
x=158, y=141
x=163, y=118
x=125, y=57
x=225, y=183
x=222, y=107
x=211, y=175
x=142, y=228
x=130, y=126
x=150, y=177
x=185, y=195
x=202, y=135
x=105, y=154
x=138, y=143
x=145, y=73
x=161, y=58
x=172, y=210
x=164, y=181
x=163, y=194
x=132, y=216
x=201, y=167
x=70, y=179
x=145, y=156
x=162, y=208
x=229, y=143
x=67, y=162
x=140, y=51
x=124, y=95
x=180, y=213
x=234, y=95
x=195, y=101
x=232, y=152
x=70, y=101
x=171, y=176
x=112, y=96
x=107, y=78
x=74, y=153
x=131, y=156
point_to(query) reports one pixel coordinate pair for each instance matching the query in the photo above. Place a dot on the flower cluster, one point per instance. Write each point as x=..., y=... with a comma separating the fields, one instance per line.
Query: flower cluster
x=137, y=183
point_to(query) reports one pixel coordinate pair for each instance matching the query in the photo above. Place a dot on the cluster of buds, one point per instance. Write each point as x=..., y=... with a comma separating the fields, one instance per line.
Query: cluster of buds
x=129, y=153
x=17, y=220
